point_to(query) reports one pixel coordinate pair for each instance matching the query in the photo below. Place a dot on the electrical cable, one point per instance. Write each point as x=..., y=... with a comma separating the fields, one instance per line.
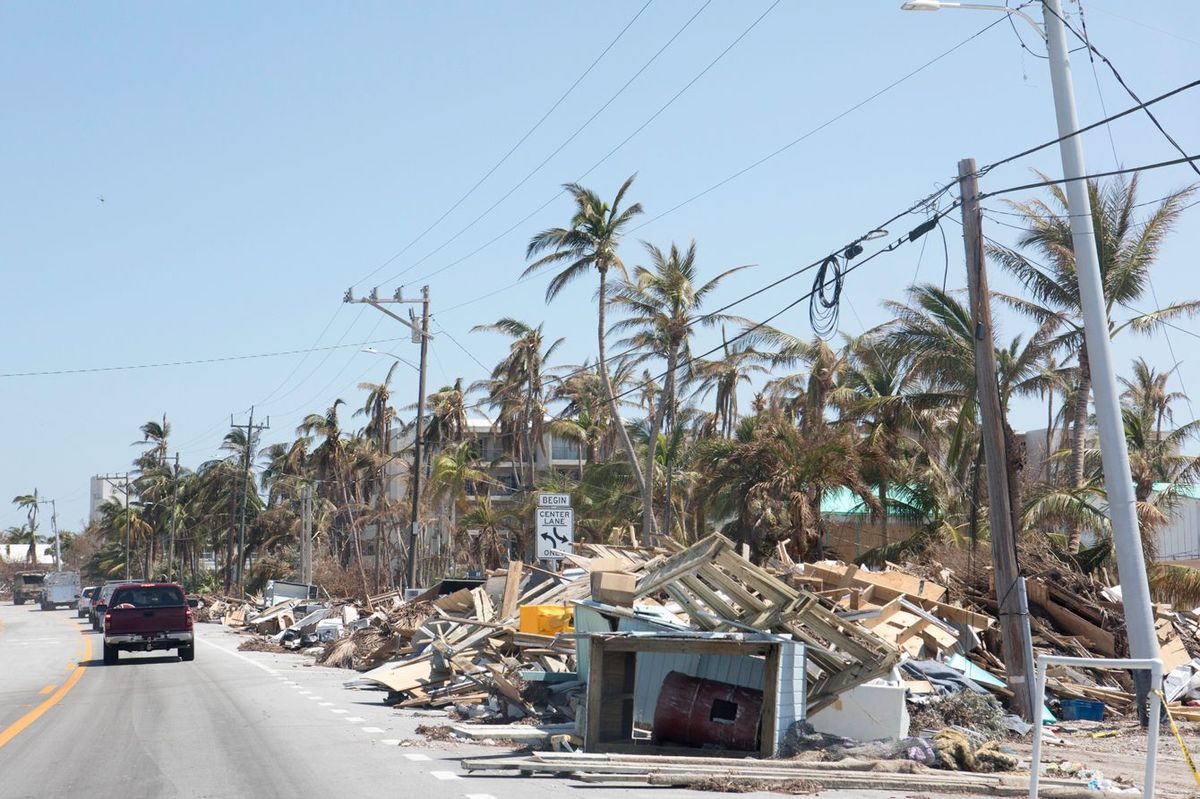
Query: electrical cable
x=615, y=149
x=512, y=149
x=1141, y=106
x=820, y=127
x=1112, y=143
x=190, y=362
x=1116, y=74
x=555, y=152
x=1187, y=159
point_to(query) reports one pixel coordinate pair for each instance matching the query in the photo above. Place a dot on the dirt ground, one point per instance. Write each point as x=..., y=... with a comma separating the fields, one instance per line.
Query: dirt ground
x=1122, y=757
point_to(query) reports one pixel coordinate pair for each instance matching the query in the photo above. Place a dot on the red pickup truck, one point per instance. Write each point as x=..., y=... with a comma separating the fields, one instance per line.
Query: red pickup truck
x=148, y=616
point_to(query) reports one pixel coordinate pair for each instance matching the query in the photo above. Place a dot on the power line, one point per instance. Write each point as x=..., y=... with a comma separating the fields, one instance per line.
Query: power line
x=715, y=186
x=514, y=148
x=1187, y=159
x=556, y=150
x=615, y=149
x=1141, y=106
x=820, y=127
x=190, y=362
x=1116, y=74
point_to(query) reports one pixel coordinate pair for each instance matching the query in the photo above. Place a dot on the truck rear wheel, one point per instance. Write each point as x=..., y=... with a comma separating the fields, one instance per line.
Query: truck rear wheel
x=187, y=652
x=111, y=653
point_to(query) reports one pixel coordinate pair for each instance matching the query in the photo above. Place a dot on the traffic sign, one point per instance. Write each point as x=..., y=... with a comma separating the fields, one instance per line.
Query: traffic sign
x=555, y=532
x=554, y=500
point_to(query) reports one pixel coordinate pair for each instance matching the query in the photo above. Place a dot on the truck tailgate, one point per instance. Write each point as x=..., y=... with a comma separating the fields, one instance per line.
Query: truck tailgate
x=141, y=621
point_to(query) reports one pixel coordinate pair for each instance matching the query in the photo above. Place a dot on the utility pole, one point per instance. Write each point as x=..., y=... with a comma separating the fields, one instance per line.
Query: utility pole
x=252, y=430
x=1017, y=646
x=306, y=538
x=109, y=478
x=174, y=513
x=54, y=529
x=1135, y=588
x=420, y=333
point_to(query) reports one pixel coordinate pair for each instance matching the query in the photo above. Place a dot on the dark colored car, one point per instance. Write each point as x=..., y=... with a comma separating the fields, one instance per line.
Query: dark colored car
x=144, y=617
x=100, y=602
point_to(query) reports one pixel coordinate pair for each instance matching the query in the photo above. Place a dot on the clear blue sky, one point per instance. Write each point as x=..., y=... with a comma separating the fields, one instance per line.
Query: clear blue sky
x=254, y=160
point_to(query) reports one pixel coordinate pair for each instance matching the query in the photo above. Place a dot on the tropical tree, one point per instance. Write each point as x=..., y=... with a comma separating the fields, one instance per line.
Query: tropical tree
x=29, y=504
x=516, y=390
x=721, y=377
x=662, y=305
x=590, y=242
x=1127, y=252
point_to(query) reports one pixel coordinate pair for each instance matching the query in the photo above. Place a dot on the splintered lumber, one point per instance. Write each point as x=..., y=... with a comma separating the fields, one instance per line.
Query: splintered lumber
x=721, y=591
x=685, y=771
x=512, y=589
x=842, y=575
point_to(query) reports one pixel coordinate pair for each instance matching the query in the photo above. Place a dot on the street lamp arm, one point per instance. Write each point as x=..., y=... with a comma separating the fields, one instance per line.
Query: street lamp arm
x=937, y=5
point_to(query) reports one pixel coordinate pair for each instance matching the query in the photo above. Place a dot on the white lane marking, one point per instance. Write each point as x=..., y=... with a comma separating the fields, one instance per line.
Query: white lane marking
x=373, y=729
x=390, y=741
x=303, y=692
x=445, y=775
x=355, y=719
x=313, y=698
x=416, y=757
x=251, y=661
x=479, y=796
x=338, y=710
x=326, y=704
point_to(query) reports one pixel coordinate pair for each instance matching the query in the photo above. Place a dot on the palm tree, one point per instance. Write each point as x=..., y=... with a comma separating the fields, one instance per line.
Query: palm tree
x=1127, y=250
x=454, y=477
x=1147, y=391
x=516, y=390
x=662, y=304
x=772, y=477
x=721, y=377
x=29, y=503
x=591, y=243
x=154, y=434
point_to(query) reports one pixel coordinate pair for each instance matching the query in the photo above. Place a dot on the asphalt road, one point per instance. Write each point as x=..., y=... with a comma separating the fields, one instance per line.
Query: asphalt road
x=230, y=724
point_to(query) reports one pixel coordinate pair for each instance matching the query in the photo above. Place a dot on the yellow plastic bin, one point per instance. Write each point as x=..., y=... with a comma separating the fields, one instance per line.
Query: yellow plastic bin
x=546, y=619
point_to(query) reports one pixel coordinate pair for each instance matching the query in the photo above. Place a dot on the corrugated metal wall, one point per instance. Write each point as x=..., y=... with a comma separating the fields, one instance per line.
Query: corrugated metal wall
x=1180, y=538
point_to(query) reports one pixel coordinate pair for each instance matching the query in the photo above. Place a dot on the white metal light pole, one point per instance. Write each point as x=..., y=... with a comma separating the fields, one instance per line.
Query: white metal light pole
x=1135, y=588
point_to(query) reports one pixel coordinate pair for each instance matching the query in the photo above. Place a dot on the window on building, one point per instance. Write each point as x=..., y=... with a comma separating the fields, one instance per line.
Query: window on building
x=562, y=449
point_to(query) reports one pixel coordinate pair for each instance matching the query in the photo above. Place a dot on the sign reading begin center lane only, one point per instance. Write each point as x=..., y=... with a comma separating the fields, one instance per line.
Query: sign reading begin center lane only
x=555, y=532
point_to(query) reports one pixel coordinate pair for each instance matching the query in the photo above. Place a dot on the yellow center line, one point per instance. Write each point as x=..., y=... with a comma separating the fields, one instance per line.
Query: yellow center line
x=19, y=726
x=47, y=689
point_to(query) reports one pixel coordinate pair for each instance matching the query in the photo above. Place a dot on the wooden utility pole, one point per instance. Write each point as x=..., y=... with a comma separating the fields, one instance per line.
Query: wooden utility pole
x=420, y=334
x=1017, y=646
x=252, y=431
x=306, y=535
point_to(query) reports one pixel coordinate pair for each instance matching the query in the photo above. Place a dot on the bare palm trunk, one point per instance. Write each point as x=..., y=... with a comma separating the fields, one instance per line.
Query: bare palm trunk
x=883, y=515
x=1049, y=432
x=656, y=416
x=1079, y=438
x=357, y=544
x=613, y=410
x=668, y=412
x=525, y=431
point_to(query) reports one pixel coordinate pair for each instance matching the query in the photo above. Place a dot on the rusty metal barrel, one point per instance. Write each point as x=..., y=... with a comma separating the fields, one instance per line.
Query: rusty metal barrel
x=706, y=713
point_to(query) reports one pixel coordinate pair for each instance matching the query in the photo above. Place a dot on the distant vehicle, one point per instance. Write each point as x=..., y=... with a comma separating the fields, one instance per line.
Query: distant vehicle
x=27, y=586
x=100, y=603
x=148, y=616
x=85, y=601
x=60, y=588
